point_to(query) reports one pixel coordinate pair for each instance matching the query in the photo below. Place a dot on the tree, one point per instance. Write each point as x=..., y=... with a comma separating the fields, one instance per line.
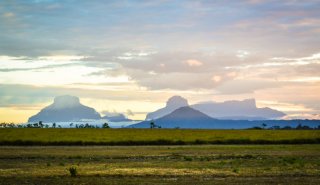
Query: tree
x=53, y=125
x=71, y=125
x=287, y=128
x=299, y=127
x=264, y=125
x=105, y=125
x=276, y=127
x=36, y=125
x=152, y=125
x=40, y=124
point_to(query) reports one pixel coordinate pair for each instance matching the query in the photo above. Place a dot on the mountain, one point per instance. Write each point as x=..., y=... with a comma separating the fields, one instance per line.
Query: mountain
x=173, y=103
x=237, y=110
x=183, y=117
x=65, y=108
x=228, y=110
x=187, y=117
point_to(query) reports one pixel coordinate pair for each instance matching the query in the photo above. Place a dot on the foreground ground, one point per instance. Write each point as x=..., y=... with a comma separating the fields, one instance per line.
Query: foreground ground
x=202, y=164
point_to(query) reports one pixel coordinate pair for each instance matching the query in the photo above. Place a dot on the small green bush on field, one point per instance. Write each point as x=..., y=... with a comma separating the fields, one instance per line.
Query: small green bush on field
x=187, y=158
x=73, y=171
x=235, y=170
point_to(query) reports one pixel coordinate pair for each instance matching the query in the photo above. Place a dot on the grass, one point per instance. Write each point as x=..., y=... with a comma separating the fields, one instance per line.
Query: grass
x=198, y=164
x=34, y=136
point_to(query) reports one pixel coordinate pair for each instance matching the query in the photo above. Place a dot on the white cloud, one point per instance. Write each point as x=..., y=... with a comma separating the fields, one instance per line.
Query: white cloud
x=242, y=54
x=62, y=57
x=302, y=116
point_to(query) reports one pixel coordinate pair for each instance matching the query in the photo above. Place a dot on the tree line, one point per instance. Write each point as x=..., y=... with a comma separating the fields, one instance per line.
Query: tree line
x=40, y=124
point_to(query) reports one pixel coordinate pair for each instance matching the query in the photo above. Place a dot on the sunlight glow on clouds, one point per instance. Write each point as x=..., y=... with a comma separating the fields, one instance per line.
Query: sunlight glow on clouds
x=193, y=63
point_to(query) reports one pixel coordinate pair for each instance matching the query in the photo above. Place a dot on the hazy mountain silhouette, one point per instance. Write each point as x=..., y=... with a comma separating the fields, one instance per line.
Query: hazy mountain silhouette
x=65, y=108
x=228, y=110
x=238, y=110
x=183, y=117
x=173, y=103
x=187, y=117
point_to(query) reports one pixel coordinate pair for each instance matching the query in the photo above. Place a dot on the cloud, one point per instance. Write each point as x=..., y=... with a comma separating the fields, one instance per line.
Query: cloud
x=8, y=15
x=302, y=116
x=129, y=112
x=234, y=48
x=111, y=113
x=247, y=86
x=193, y=63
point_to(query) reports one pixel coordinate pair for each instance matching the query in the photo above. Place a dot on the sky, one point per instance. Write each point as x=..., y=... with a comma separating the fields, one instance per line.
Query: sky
x=130, y=56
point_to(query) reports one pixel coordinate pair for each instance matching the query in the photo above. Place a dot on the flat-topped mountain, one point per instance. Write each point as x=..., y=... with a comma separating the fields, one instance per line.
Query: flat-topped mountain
x=65, y=108
x=238, y=110
x=172, y=104
x=228, y=110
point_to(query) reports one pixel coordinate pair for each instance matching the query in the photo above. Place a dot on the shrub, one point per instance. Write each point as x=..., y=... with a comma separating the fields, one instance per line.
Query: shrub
x=187, y=158
x=73, y=171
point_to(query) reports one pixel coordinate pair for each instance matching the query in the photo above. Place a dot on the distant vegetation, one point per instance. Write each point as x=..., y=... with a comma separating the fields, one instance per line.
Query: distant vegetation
x=152, y=126
x=53, y=125
x=89, y=136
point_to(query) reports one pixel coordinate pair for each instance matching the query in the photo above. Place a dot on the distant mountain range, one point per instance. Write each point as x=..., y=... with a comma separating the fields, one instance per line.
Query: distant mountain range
x=176, y=113
x=187, y=117
x=228, y=110
x=65, y=108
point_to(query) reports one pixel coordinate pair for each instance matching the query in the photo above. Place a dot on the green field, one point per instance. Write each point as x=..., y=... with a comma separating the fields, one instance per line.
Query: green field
x=159, y=156
x=37, y=136
x=195, y=164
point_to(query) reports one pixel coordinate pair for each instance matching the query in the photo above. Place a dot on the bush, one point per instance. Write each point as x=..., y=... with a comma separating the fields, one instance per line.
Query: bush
x=187, y=158
x=73, y=171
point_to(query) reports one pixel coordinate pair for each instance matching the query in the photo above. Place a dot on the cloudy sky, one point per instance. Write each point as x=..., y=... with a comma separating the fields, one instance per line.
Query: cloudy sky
x=131, y=56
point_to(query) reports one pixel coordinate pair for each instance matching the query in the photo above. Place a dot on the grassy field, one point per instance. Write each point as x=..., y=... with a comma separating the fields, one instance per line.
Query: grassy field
x=195, y=164
x=36, y=136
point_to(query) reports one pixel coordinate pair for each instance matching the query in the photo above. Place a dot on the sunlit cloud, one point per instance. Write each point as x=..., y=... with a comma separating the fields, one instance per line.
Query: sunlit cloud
x=216, y=78
x=286, y=107
x=193, y=63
